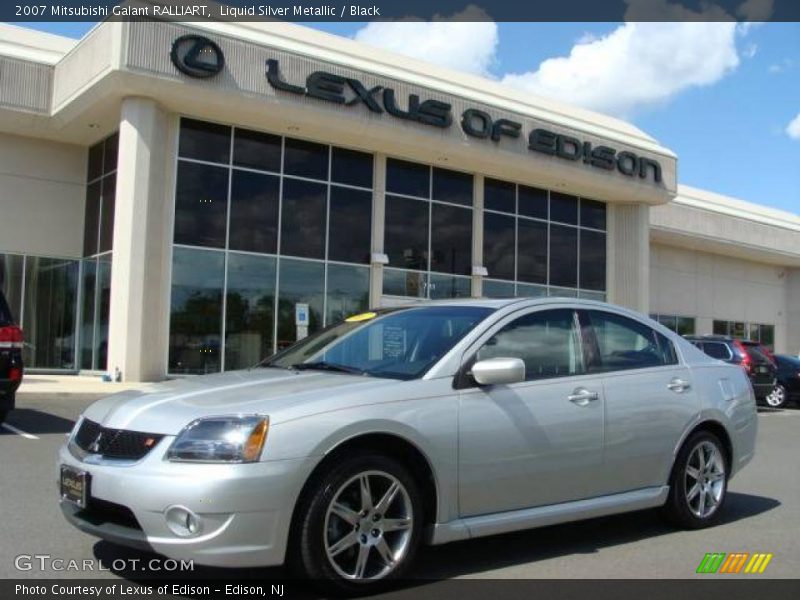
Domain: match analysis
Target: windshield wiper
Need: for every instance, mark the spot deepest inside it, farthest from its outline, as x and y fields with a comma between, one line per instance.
x=326, y=366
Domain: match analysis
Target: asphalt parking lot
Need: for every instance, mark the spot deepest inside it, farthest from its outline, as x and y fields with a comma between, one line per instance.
x=762, y=515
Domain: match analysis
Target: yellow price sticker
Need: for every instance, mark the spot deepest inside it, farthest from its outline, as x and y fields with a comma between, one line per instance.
x=362, y=317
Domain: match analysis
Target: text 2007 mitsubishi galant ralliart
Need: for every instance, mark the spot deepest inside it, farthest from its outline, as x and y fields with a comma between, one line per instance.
x=423, y=424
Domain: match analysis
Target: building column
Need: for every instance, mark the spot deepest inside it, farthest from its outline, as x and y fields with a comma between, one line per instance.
x=477, y=236
x=628, y=249
x=792, y=319
x=378, y=222
x=140, y=274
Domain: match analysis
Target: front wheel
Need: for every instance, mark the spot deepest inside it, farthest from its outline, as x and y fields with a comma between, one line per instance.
x=699, y=482
x=777, y=397
x=360, y=525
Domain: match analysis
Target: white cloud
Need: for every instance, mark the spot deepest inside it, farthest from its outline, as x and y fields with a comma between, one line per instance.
x=639, y=65
x=784, y=65
x=636, y=66
x=456, y=41
x=643, y=63
x=793, y=128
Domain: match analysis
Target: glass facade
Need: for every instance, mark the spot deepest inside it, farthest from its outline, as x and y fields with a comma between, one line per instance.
x=678, y=324
x=539, y=242
x=428, y=231
x=42, y=293
x=263, y=223
x=756, y=332
x=98, y=242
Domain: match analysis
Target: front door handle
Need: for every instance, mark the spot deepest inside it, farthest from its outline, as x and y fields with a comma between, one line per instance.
x=582, y=397
x=678, y=385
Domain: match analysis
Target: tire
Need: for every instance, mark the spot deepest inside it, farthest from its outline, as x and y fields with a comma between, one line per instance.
x=343, y=549
x=697, y=494
x=3, y=415
x=777, y=398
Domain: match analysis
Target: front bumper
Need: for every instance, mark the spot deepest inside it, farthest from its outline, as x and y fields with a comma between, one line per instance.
x=244, y=509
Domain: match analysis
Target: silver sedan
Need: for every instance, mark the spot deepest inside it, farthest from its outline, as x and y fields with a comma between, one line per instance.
x=422, y=424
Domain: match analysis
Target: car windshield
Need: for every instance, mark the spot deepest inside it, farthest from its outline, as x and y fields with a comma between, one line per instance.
x=396, y=343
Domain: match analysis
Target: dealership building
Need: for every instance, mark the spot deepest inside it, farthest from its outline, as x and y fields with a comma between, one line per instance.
x=180, y=198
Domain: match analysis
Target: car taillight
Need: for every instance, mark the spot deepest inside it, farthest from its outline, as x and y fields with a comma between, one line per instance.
x=747, y=362
x=15, y=374
x=11, y=337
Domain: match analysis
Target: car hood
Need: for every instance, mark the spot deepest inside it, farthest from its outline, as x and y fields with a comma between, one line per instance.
x=168, y=407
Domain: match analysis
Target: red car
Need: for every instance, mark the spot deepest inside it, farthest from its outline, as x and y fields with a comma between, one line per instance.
x=10, y=359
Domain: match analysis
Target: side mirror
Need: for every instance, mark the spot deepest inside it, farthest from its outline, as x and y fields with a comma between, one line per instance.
x=498, y=371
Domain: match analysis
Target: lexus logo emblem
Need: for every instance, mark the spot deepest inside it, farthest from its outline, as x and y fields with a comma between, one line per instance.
x=197, y=56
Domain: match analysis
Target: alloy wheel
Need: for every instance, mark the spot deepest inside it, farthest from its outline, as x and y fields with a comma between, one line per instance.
x=705, y=479
x=777, y=397
x=368, y=526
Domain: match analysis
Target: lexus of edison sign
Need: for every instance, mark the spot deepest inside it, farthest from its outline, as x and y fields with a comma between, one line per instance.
x=189, y=56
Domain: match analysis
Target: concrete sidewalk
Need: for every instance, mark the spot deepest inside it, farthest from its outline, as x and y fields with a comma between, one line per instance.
x=74, y=384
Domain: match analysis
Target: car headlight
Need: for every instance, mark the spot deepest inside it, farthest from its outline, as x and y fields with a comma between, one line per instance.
x=232, y=439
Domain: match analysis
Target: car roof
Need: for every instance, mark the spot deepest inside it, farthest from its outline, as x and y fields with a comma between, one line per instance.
x=498, y=303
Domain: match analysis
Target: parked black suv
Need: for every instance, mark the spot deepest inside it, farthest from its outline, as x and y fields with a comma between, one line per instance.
x=753, y=357
x=10, y=359
x=788, y=386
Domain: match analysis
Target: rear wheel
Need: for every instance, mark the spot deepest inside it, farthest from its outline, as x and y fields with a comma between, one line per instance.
x=777, y=398
x=3, y=415
x=699, y=482
x=360, y=525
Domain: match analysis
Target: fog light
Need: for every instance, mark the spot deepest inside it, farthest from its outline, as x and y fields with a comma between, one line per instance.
x=182, y=522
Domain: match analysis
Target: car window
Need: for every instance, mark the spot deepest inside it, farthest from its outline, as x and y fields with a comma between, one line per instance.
x=5, y=312
x=546, y=341
x=717, y=350
x=627, y=344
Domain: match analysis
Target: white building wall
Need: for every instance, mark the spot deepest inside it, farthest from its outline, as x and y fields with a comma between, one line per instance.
x=42, y=189
x=707, y=286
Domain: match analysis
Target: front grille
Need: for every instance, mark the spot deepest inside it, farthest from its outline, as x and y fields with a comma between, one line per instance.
x=99, y=512
x=114, y=443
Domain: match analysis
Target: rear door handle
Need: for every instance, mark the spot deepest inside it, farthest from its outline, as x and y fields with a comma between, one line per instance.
x=582, y=397
x=679, y=385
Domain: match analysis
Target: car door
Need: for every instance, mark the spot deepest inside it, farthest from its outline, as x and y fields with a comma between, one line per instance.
x=649, y=399
x=536, y=442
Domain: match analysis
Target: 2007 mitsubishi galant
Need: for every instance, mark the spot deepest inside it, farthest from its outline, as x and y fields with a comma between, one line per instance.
x=422, y=424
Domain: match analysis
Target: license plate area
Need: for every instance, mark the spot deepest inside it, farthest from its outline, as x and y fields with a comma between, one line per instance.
x=74, y=485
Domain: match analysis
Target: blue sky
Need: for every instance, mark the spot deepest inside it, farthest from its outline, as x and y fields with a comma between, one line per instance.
x=721, y=96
